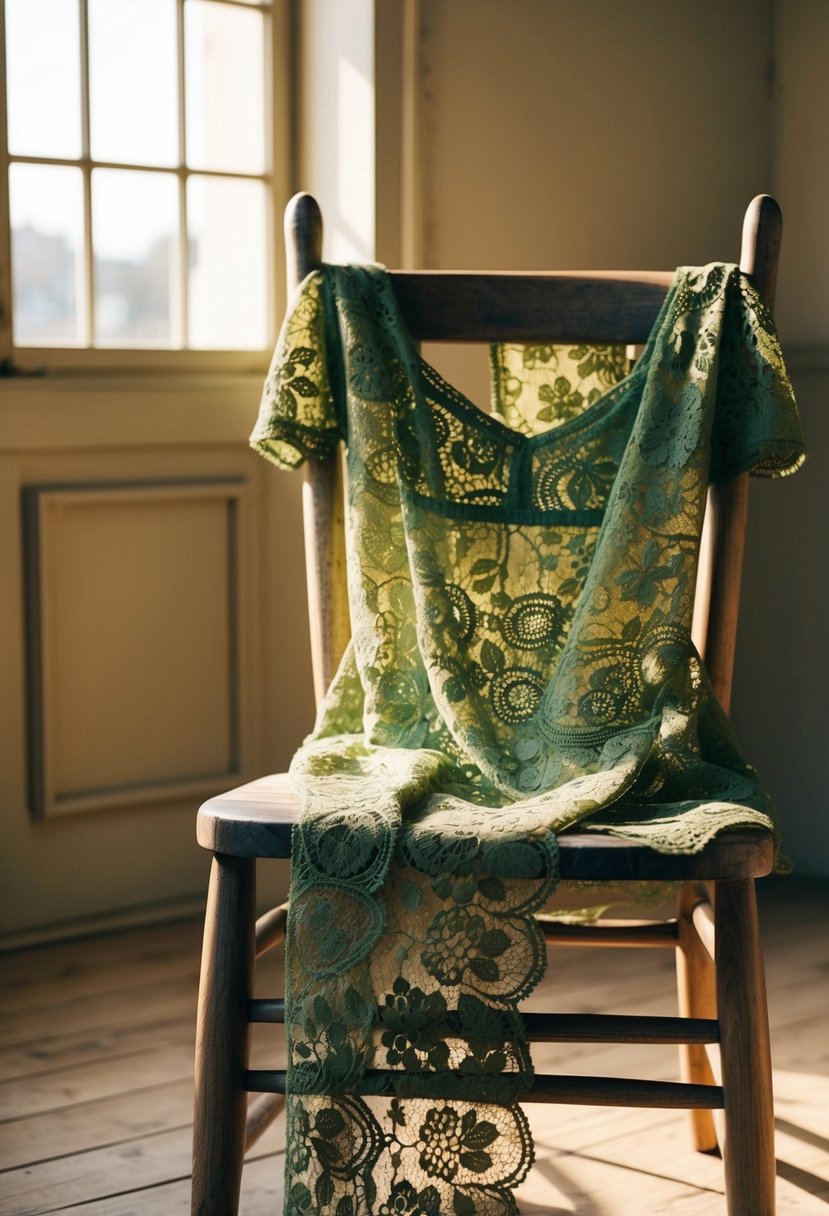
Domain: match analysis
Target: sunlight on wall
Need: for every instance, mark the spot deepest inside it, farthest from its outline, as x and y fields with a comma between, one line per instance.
x=337, y=149
x=353, y=225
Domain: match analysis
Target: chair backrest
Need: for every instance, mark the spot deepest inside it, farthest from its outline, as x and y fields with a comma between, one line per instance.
x=579, y=306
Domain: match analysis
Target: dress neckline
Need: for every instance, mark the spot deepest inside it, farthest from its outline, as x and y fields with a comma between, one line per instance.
x=468, y=411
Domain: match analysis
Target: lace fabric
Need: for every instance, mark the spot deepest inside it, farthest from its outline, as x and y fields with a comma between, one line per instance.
x=521, y=588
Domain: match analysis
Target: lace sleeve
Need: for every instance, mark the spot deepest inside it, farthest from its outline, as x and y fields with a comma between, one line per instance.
x=756, y=424
x=301, y=412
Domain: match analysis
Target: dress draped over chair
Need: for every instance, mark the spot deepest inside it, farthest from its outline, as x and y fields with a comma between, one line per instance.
x=523, y=669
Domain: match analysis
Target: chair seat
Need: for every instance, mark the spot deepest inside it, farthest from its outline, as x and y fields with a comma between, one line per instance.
x=256, y=819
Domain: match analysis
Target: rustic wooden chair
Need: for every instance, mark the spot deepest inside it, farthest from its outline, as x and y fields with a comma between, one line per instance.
x=721, y=991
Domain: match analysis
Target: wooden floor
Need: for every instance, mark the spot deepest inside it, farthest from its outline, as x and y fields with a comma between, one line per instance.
x=96, y=1047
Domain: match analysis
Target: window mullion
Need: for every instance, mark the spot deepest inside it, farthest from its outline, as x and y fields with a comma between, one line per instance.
x=88, y=293
x=281, y=86
x=184, y=240
x=5, y=214
x=135, y=166
x=269, y=78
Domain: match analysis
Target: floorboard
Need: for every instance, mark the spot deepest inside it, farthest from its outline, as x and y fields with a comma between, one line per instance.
x=96, y=1050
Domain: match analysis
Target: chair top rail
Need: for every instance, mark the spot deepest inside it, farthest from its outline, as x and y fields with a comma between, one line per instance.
x=574, y=306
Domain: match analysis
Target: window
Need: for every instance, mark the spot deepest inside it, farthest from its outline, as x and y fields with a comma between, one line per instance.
x=139, y=176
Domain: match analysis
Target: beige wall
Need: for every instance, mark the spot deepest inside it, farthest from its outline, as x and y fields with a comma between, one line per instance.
x=336, y=148
x=800, y=164
x=567, y=135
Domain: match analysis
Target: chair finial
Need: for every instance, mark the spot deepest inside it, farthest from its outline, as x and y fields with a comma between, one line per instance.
x=303, y=237
x=762, y=231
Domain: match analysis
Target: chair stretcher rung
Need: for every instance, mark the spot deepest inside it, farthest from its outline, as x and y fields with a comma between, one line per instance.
x=609, y=933
x=261, y=1114
x=617, y=1028
x=267, y=1011
x=580, y=1091
x=270, y=929
x=572, y=1027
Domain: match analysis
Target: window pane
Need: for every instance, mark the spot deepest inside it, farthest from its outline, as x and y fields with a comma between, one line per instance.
x=135, y=243
x=132, y=81
x=43, y=77
x=224, y=76
x=226, y=218
x=47, y=263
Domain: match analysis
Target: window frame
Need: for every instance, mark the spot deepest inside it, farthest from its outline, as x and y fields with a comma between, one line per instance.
x=279, y=27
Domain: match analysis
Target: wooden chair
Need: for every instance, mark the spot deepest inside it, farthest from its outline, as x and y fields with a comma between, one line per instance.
x=721, y=990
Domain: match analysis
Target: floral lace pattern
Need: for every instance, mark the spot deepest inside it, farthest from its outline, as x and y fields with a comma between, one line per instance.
x=542, y=386
x=521, y=588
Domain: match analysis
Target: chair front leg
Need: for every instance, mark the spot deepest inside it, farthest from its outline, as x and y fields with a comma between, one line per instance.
x=748, y=1151
x=696, y=998
x=222, y=1034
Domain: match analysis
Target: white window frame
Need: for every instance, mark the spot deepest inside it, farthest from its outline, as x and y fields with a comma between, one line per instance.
x=15, y=359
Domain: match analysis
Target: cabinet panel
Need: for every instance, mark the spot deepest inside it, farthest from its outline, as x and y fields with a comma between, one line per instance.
x=133, y=641
x=171, y=614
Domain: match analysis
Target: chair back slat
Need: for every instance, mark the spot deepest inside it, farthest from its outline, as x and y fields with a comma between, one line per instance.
x=576, y=306
x=457, y=306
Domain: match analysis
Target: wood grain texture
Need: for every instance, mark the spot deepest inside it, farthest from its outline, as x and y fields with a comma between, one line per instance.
x=262, y=1111
x=598, y=1161
x=92, y=1082
x=262, y=1194
x=587, y=306
x=631, y=933
x=323, y=508
x=728, y=509
x=225, y=987
x=270, y=929
x=256, y=819
x=572, y=1027
x=122, y=1116
x=748, y=1151
x=323, y=514
x=702, y=918
x=696, y=998
x=581, y=1091
x=302, y=227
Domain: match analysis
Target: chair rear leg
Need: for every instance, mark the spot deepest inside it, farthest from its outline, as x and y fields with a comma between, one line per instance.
x=225, y=988
x=748, y=1151
x=697, y=998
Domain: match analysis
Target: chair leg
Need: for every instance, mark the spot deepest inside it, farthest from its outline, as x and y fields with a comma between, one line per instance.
x=697, y=998
x=748, y=1151
x=225, y=988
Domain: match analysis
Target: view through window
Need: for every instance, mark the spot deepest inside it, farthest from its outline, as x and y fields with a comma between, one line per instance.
x=139, y=173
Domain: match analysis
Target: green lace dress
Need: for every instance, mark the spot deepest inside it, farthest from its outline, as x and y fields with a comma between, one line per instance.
x=521, y=587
